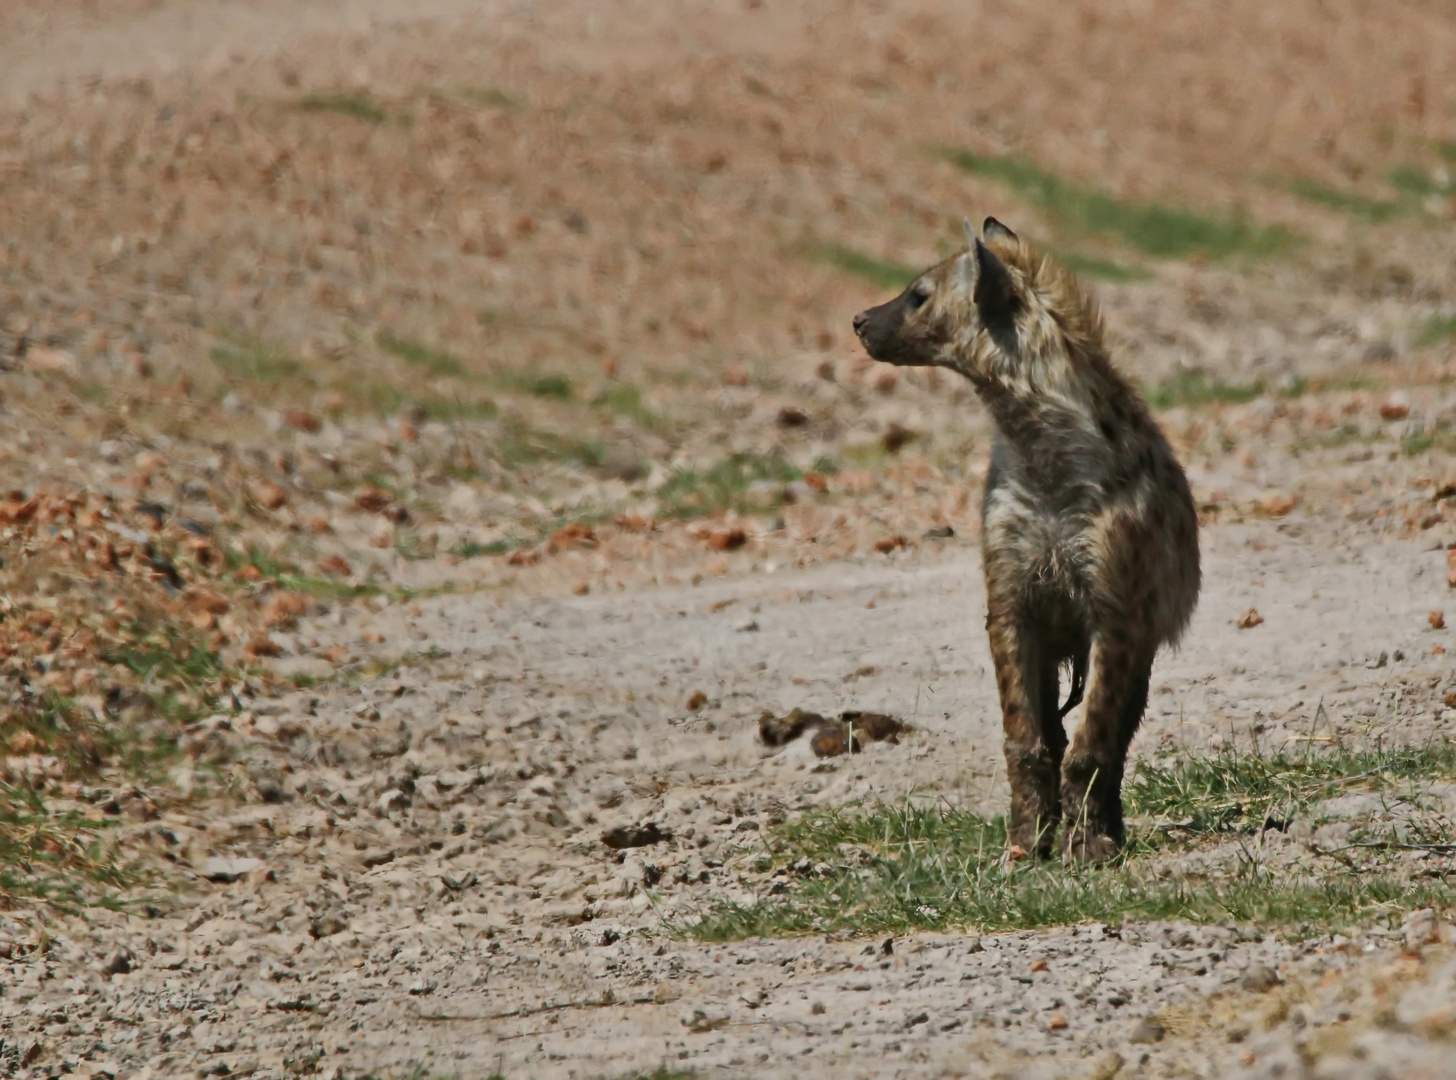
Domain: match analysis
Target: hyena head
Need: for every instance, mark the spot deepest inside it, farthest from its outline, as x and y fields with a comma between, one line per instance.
x=938, y=316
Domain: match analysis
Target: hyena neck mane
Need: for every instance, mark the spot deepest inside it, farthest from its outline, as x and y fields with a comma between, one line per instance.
x=1036, y=354
x=1022, y=330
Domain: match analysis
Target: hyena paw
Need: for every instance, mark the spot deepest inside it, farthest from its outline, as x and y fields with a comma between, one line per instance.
x=1031, y=839
x=1089, y=845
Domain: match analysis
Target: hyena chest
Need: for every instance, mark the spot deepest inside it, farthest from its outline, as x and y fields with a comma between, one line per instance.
x=1044, y=554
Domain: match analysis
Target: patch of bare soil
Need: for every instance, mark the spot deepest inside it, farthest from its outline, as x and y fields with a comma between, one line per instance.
x=436, y=439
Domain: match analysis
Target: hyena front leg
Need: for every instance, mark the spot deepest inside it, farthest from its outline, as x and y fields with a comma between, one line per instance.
x=1093, y=766
x=1026, y=678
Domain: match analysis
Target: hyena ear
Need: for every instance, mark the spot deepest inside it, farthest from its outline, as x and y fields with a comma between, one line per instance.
x=970, y=232
x=994, y=230
x=995, y=294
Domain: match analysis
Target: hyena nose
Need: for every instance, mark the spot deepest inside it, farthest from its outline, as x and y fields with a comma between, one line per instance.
x=860, y=320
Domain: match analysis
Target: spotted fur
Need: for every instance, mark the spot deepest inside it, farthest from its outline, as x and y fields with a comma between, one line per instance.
x=1090, y=537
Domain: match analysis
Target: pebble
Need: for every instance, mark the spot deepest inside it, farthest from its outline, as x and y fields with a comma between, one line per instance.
x=224, y=870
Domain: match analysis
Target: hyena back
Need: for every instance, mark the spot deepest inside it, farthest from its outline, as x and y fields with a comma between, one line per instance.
x=1090, y=536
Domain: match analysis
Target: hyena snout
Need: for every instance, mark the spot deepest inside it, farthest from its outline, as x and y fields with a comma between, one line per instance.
x=879, y=331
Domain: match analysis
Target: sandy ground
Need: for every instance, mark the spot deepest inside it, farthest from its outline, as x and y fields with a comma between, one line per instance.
x=431, y=887
x=404, y=866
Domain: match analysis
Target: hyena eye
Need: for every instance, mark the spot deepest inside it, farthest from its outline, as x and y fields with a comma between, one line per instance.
x=918, y=296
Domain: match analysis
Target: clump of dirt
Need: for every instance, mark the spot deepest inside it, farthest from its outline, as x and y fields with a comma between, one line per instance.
x=828, y=737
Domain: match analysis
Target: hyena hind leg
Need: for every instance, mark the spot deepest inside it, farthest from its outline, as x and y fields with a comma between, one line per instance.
x=1093, y=767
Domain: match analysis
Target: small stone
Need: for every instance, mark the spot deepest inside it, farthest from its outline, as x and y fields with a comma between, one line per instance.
x=422, y=987
x=54, y=361
x=635, y=835
x=747, y=626
x=267, y=494
x=1277, y=503
x=1395, y=407
x=1437, y=619
x=696, y=700
x=1420, y=928
x=333, y=564
x=260, y=645
x=449, y=779
x=225, y=870
x=1249, y=619
x=727, y=539
x=1260, y=979
x=302, y=421
x=701, y=1021
x=895, y=438
x=392, y=800
x=327, y=924
x=118, y=963
x=372, y=500
x=1146, y=1032
x=1039, y=965
x=1058, y=1022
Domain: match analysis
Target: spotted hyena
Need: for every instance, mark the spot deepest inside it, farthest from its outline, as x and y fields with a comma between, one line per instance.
x=1090, y=535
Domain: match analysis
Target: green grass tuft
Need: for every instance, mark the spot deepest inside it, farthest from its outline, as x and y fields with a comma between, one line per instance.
x=420, y=355
x=1370, y=209
x=888, y=275
x=1190, y=386
x=905, y=867
x=358, y=106
x=521, y=445
x=52, y=855
x=291, y=579
x=725, y=485
x=1435, y=330
x=550, y=386
x=1160, y=231
x=1090, y=266
x=627, y=401
x=1417, y=443
x=256, y=361
x=537, y=385
x=470, y=549
x=1416, y=181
